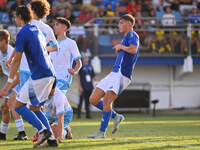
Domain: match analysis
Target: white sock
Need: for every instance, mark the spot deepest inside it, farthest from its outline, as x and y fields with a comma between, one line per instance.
x=19, y=124
x=64, y=133
x=4, y=127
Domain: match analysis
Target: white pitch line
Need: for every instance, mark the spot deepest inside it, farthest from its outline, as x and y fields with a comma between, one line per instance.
x=190, y=146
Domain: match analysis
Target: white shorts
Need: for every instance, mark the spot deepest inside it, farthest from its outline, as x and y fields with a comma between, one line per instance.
x=115, y=82
x=36, y=91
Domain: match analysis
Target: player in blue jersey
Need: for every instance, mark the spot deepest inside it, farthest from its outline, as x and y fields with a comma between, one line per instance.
x=114, y=83
x=31, y=41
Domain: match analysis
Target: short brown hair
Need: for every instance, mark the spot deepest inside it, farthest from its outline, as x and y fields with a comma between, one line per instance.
x=24, y=12
x=64, y=21
x=4, y=35
x=40, y=7
x=128, y=17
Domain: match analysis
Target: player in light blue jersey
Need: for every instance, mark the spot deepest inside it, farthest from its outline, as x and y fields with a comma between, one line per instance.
x=7, y=106
x=67, y=53
x=31, y=41
x=114, y=83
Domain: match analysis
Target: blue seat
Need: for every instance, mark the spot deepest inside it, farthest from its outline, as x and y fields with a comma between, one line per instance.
x=159, y=14
x=76, y=13
x=177, y=15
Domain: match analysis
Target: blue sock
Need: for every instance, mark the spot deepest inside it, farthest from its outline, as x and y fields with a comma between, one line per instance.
x=29, y=116
x=43, y=118
x=100, y=106
x=105, y=120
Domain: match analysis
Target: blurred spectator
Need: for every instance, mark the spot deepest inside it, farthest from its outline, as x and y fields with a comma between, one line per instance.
x=138, y=19
x=61, y=5
x=144, y=7
x=114, y=5
x=174, y=4
x=195, y=37
x=152, y=17
x=168, y=19
x=85, y=15
x=99, y=14
x=13, y=8
x=132, y=7
x=76, y=4
x=197, y=2
x=177, y=42
x=157, y=4
x=69, y=15
x=91, y=4
x=53, y=15
x=85, y=79
x=77, y=33
x=185, y=7
x=3, y=5
x=160, y=43
x=152, y=21
x=194, y=17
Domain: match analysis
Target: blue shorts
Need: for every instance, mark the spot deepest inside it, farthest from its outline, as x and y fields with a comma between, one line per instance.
x=62, y=85
x=67, y=118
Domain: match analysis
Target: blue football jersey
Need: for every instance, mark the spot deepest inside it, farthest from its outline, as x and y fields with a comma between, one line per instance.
x=125, y=62
x=32, y=42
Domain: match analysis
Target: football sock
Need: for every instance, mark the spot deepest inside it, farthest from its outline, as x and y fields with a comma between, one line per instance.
x=30, y=117
x=105, y=120
x=64, y=133
x=43, y=119
x=100, y=106
x=4, y=127
x=19, y=124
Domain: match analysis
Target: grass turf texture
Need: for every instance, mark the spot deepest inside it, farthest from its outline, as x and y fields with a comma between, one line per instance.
x=137, y=132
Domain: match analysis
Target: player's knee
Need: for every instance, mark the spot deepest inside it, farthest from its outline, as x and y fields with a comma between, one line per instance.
x=92, y=100
x=10, y=105
x=4, y=108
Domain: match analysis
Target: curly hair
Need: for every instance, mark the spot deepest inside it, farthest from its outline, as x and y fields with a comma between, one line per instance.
x=4, y=35
x=24, y=12
x=40, y=7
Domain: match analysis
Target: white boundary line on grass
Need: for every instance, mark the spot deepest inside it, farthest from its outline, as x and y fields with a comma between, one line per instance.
x=190, y=146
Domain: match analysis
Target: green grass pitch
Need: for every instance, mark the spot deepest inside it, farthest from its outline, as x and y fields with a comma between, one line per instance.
x=137, y=132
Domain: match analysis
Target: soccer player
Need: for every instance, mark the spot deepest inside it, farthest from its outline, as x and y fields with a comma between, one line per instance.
x=8, y=103
x=59, y=113
x=63, y=58
x=40, y=9
x=31, y=41
x=114, y=83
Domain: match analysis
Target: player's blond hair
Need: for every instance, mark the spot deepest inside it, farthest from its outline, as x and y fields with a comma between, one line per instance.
x=4, y=35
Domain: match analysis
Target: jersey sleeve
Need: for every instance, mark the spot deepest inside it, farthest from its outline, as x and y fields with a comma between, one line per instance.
x=20, y=43
x=134, y=39
x=51, y=39
x=74, y=50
